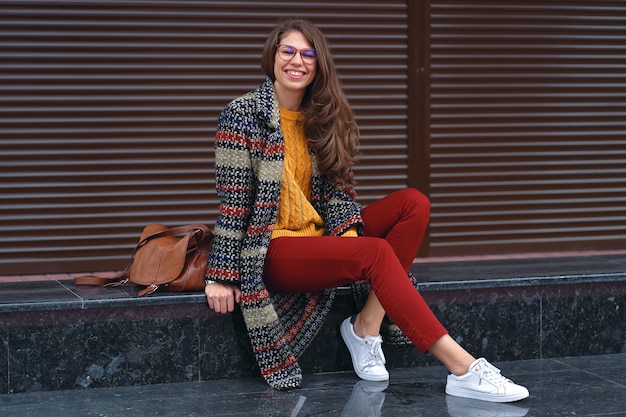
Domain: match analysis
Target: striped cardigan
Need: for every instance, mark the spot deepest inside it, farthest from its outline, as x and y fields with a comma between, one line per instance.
x=249, y=155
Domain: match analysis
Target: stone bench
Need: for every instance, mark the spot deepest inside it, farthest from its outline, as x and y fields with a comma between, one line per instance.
x=56, y=336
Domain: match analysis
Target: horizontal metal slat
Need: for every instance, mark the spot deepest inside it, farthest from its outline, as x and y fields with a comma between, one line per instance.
x=527, y=106
x=109, y=113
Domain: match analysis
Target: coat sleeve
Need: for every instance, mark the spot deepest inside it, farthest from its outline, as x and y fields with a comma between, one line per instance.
x=342, y=214
x=234, y=179
x=338, y=207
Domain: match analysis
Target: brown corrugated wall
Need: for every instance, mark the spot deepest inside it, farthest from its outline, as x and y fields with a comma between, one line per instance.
x=510, y=114
x=526, y=125
x=109, y=108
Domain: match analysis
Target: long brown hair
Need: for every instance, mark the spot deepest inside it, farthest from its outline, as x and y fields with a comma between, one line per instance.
x=329, y=123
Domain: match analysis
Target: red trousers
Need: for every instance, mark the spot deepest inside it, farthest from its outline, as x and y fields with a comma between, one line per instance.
x=394, y=229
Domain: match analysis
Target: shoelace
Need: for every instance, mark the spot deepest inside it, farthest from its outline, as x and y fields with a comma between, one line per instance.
x=490, y=373
x=377, y=357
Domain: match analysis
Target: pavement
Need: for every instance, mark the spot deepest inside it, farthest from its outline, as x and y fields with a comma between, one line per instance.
x=573, y=386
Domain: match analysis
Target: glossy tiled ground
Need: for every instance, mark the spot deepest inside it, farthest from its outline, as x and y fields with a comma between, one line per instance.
x=577, y=386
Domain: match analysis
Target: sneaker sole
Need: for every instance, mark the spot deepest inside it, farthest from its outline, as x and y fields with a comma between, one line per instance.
x=485, y=397
x=365, y=377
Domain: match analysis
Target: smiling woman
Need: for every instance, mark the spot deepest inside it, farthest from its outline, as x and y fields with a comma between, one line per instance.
x=290, y=231
x=312, y=87
x=293, y=73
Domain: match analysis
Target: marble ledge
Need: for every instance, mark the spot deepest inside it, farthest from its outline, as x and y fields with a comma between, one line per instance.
x=64, y=295
x=523, y=282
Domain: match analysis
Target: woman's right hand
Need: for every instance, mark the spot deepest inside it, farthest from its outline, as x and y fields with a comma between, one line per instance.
x=221, y=297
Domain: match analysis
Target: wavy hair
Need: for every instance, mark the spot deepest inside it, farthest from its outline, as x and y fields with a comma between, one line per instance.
x=329, y=123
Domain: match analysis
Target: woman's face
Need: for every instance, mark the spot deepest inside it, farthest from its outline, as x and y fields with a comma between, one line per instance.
x=295, y=65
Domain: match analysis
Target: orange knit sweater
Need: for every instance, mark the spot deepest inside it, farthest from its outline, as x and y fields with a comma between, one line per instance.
x=296, y=215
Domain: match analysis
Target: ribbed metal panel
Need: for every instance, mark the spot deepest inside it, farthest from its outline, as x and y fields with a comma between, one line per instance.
x=108, y=114
x=527, y=126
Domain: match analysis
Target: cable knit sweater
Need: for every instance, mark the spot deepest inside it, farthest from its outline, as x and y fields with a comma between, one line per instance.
x=296, y=215
x=249, y=157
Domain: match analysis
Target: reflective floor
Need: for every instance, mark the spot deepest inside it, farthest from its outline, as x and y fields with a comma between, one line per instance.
x=577, y=386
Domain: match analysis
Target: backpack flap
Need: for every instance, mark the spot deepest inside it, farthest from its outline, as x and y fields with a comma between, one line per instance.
x=160, y=260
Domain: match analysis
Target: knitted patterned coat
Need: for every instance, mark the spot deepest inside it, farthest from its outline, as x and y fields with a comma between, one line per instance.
x=249, y=155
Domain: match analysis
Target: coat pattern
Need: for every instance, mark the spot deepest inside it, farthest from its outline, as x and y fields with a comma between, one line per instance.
x=249, y=154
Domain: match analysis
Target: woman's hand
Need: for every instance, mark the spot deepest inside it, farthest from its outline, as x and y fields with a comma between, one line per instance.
x=222, y=297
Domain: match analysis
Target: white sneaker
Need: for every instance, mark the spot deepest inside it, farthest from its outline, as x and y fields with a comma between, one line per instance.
x=484, y=382
x=368, y=359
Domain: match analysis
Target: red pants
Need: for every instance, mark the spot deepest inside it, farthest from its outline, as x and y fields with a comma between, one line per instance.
x=394, y=228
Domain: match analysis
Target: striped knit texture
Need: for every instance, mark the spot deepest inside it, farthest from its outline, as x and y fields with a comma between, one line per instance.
x=249, y=158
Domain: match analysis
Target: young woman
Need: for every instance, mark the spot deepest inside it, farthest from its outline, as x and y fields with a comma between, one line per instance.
x=290, y=231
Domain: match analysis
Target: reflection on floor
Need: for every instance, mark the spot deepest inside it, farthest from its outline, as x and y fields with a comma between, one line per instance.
x=576, y=386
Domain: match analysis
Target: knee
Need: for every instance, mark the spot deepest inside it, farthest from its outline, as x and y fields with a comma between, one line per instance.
x=417, y=200
x=381, y=262
x=415, y=195
x=379, y=251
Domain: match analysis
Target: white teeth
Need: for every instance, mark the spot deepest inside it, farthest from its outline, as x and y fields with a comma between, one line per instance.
x=295, y=73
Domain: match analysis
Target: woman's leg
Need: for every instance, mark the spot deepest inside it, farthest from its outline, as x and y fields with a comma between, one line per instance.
x=401, y=218
x=295, y=265
x=304, y=264
x=452, y=355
